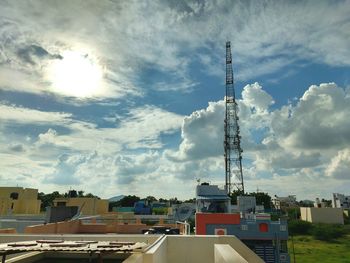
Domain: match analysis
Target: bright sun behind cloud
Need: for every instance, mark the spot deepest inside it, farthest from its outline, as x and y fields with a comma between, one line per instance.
x=76, y=75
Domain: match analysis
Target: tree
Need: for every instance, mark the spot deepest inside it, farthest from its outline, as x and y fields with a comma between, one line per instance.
x=151, y=199
x=128, y=201
x=261, y=198
x=233, y=195
x=174, y=201
x=192, y=200
x=162, y=200
x=47, y=199
x=91, y=195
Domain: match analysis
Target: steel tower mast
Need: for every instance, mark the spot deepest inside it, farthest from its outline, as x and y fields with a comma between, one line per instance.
x=232, y=142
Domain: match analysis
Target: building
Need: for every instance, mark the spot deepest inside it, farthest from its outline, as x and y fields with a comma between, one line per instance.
x=280, y=202
x=119, y=248
x=19, y=200
x=340, y=201
x=327, y=215
x=265, y=237
x=87, y=205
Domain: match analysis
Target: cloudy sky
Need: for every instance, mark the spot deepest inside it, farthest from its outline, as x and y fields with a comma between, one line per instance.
x=126, y=97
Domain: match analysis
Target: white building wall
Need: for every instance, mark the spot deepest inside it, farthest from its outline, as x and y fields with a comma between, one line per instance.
x=340, y=201
x=322, y=215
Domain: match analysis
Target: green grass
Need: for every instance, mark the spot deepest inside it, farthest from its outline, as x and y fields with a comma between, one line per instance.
x=309, y=250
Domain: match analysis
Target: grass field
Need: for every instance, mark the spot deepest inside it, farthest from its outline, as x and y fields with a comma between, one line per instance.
x=309, y=250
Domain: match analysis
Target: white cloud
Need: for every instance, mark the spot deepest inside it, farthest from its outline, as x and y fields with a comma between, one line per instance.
x=202, y=133
x=318, y=121
x=74, y=153
x=131, y=37
x=282, y=147
x=144, y=125
x=12, y=113
x=256, y=98
x=339, y=165
x=129, y=168
x=309, y=139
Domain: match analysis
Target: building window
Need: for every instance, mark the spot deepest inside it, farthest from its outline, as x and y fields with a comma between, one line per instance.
x=14, y=196
x=283, y=228
x=61, y=203
x=244, y=227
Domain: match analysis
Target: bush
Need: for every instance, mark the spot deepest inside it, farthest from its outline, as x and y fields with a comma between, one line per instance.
x=298, y=227
x=327, y=232
x=160, y=211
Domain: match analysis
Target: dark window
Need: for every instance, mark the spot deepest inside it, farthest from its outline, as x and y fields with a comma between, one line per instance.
x=14, y=196
x=61, y=203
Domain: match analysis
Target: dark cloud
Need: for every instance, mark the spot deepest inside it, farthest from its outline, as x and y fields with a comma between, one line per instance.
x=16, y=148
x=30, y=53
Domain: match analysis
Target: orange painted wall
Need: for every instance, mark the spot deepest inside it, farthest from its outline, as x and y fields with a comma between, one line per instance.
x=41, y=229
x=202, y=219
x=92, y=228
x=8, y=231
x=66, y=227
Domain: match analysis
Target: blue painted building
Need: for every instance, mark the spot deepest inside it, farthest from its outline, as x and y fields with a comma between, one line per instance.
x=214, y=216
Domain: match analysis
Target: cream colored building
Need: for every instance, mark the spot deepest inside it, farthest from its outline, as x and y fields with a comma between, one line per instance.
x=19, y=200
x=160, y=249
x=322, y=215
x=87, y=205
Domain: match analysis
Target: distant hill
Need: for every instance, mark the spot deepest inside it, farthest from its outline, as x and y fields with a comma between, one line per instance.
x=116, y=198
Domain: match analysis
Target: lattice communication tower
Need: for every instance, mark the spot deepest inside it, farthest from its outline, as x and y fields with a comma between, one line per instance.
x=232, y=142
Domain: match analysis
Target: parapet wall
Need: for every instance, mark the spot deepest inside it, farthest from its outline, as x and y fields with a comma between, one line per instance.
x=78, y=227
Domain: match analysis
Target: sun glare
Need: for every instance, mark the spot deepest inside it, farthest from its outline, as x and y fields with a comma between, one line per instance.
x=75, y=75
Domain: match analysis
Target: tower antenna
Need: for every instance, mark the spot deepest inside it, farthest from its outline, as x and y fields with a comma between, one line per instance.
x=232, y=141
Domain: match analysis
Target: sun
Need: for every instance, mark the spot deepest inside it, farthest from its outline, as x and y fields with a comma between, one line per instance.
x=75, y=75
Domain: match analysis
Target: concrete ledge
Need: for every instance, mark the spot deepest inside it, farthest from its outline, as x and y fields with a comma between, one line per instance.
x=135, y=258
x=27, y=258
x=224, y=253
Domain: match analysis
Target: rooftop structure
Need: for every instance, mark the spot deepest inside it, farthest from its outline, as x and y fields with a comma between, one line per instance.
x=281, y=202
x=87, y=205
x=341, y=201
x=327, y=215
x=320, y=203
x=19, y=200
x=211, y=199
x=129, y=248
x=265, y=237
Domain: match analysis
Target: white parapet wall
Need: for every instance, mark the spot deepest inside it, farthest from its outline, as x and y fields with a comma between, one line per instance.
x=166, y=249
x=224, y=253
x=192, y=249
x=322, y=215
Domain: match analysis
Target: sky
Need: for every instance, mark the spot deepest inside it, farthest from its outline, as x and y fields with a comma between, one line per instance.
x=126, y=97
